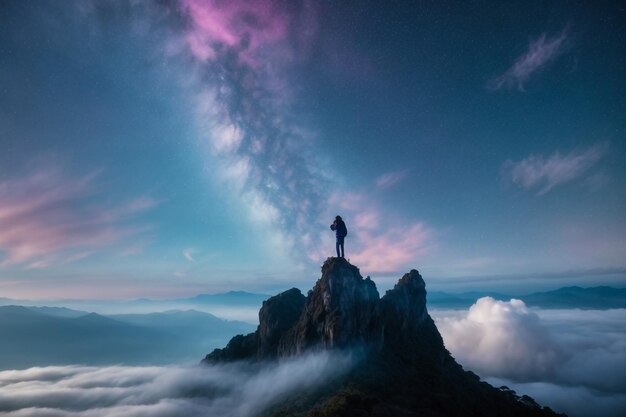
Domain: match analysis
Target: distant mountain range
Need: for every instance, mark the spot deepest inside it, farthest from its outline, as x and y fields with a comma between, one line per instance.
x=242, y=305
x=601, y=298
x=232, y=305
x=230, y=297
x=32, y=336
x=239, y=297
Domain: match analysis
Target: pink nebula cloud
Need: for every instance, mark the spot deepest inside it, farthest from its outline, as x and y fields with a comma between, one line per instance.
x=242, y=26
x=265, y=151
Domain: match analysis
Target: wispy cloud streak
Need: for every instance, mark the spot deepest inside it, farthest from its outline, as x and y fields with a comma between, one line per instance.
x=390, y=179
x=189, y=254
x=540, y=53
x=537, y=171
x=48, y=218
x=393, y=248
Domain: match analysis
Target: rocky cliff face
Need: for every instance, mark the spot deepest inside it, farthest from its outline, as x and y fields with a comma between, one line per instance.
x=340, y=311
x=277, y=317
x=406, y=369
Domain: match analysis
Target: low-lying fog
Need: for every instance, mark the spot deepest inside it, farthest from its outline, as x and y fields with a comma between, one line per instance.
x=235, y=390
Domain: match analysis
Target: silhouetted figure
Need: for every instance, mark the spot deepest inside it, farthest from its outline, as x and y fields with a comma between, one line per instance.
x=340, y=232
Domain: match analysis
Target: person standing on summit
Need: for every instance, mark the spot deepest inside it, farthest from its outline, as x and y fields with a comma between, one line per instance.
x=341, y=231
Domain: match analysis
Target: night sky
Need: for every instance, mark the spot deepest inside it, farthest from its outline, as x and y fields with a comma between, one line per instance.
x=166, y=148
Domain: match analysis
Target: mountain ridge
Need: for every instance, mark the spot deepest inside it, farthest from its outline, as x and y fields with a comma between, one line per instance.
x=39, y=336
x=596, y=297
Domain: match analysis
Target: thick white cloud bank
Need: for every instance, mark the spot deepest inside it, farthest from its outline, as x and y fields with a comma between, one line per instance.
x=235, y=390
x=502, y=339
x=571, y=360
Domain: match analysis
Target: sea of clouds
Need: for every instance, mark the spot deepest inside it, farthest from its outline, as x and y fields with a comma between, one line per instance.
x=571, y=360
x=235, y=390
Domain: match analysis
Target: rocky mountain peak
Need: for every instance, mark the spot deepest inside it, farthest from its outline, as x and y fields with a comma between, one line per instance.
x=276, y=317
x=342, y=310
x=405, y=368
x=407, y=300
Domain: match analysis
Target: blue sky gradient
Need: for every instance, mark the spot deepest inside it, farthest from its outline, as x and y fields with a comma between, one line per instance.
x=189, y=146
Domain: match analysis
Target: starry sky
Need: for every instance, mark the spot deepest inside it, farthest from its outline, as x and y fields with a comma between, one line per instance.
x=167, y=148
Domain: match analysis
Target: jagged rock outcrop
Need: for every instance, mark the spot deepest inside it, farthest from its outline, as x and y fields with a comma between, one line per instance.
x=340, y=311
x=405, y=369
x=406, y=302
x=276, y=318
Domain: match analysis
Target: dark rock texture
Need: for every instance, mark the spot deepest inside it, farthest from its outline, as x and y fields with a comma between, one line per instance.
x=405, y=370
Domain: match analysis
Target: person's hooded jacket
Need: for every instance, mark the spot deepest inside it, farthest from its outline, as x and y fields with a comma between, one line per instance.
x=340, y=228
